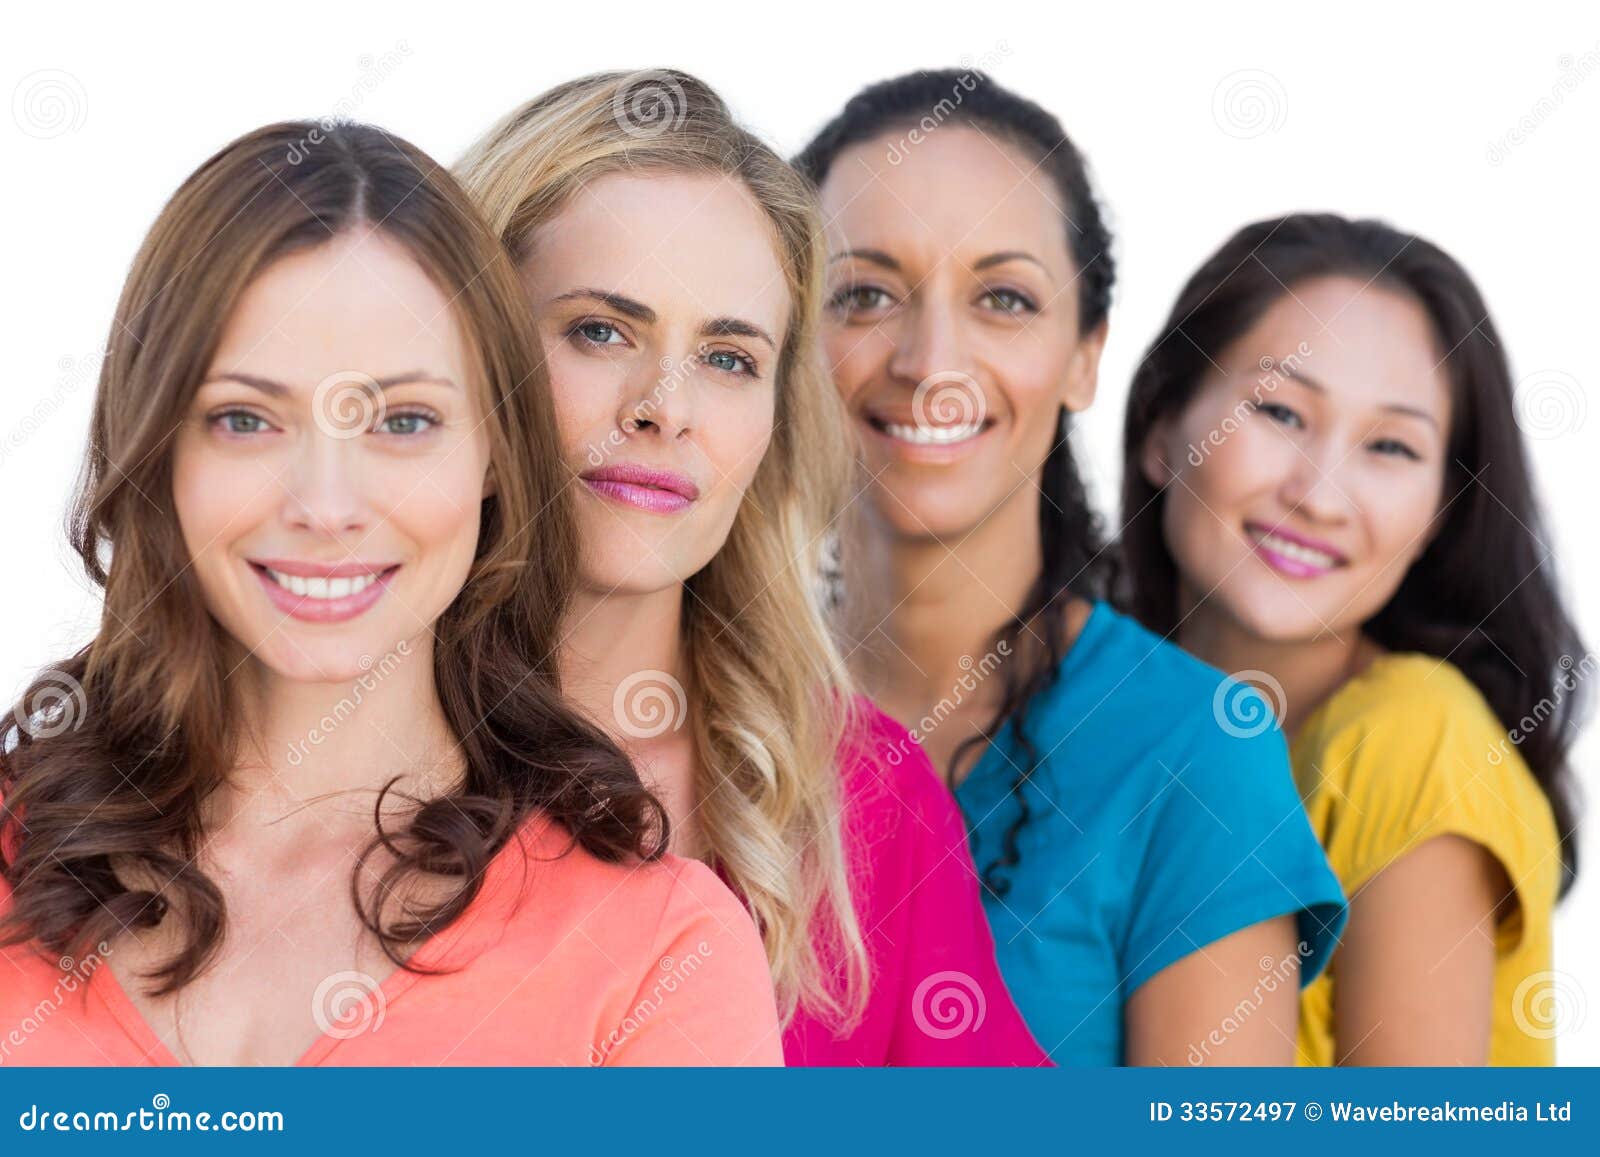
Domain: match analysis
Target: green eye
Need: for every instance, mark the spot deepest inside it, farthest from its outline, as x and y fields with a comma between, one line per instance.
x=408, y=424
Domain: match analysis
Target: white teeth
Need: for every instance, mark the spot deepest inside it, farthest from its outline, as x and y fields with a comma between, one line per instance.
x=933, y=435
x=1295, y=551
x=321, y=588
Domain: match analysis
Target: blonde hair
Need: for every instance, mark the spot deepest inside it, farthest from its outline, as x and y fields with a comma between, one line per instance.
x=775, y=702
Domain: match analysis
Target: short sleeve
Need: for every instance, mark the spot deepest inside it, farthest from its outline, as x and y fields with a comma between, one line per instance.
x=707, y=997
x=1229, y=846
x=1428, y=758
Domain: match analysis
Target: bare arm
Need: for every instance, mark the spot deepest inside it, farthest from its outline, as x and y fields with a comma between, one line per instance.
x=1233, y=1002
x=1415, y=977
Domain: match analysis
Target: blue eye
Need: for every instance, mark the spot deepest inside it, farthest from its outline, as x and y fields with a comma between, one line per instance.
x=732, y=363
x=408, y=423
x=238, y=422
x=598, y=332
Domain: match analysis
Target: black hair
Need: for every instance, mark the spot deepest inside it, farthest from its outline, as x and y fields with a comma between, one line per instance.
x=1076, y=559
x=1483, y=593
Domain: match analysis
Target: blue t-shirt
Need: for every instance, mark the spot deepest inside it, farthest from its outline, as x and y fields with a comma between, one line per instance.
x=1163, y=816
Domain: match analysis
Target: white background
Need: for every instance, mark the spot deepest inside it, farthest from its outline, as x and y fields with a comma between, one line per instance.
x=1195, y=122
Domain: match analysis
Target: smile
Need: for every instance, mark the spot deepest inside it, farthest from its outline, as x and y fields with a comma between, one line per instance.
x=319, y=593
x=1292, y=555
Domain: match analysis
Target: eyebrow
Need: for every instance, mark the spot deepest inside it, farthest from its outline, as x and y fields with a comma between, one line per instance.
x=642, y=313
x=1311, y=383
x=879, y=257
x=278, y=389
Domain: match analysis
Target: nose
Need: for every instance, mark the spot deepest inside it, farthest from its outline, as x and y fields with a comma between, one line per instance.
x=927, y=343
x=1314, y=486
x=659, y=398
x=322, y=485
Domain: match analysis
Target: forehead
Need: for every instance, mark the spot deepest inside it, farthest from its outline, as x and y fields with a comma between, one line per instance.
x=957, y=192
x=690, y=242
x=1370, y=344
x=358, y=302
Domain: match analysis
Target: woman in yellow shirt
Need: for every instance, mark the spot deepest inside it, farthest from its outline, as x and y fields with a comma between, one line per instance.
x=1326, y=493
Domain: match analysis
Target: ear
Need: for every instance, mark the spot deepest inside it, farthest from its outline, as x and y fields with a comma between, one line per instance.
x=1153, y=462
x=1083, y=372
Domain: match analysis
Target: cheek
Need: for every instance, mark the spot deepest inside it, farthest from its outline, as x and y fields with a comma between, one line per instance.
x=855, y=353
x=585, y=393
x=740, y=436
x=1399, y=512
x=218, y=497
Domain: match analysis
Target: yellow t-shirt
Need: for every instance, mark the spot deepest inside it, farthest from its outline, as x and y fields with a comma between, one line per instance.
x=1408, y=750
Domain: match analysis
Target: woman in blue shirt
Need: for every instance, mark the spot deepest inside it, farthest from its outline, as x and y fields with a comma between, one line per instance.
x=1156, y=893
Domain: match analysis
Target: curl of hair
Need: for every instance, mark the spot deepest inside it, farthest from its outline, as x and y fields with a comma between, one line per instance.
x=1483, y=594
x=101, y=825
x=1076, y=561
x=773, y=702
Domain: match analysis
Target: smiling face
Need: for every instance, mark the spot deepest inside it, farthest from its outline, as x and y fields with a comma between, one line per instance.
x=329, y=472
x=952, y=324
x=662, y=308
x=1297, y=498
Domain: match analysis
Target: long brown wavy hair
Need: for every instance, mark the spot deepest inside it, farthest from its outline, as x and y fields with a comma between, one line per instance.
x=111, y=754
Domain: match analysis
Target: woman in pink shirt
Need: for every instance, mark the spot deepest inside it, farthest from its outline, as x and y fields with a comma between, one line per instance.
x=675, y=264
x=310, y=795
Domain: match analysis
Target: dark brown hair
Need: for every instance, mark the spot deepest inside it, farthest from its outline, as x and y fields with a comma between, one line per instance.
x=1483, y=594
x=106, y=783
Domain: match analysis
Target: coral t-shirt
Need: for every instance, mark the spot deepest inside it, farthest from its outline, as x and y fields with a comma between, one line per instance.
x=561, y=959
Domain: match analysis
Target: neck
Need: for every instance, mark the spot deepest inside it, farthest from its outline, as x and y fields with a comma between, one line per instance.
x=1308, y=670
x=941, y=601
x=623, y=662
x=315, y=755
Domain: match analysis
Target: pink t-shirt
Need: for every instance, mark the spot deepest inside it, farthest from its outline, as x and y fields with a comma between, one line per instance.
x=563, y=960
x=937, y=996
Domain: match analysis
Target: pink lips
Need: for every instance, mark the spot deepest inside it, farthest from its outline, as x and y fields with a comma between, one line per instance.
x=1284, y=564
x=312, y=610
x=644, y=488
